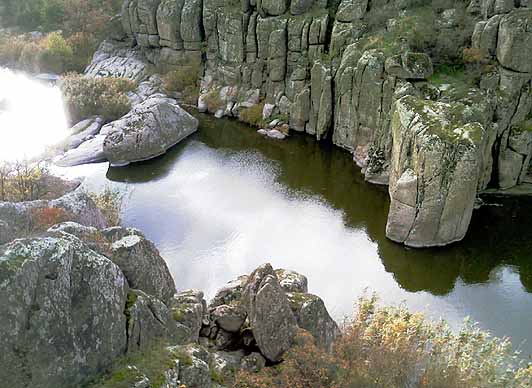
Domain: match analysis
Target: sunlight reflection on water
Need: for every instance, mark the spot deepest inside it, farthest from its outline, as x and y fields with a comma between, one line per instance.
x=32, y=116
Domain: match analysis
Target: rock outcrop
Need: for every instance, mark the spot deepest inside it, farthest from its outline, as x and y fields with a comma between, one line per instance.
x=335, y=71
x=434, y=175
x=147, y=131
x=18, y=219
x=272, y=322
x=78, y=299
x=62, y=312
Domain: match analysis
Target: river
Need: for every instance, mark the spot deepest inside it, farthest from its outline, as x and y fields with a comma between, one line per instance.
x=226, y=200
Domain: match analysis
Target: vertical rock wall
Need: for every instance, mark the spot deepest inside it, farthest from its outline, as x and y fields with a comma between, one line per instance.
x=313, y=64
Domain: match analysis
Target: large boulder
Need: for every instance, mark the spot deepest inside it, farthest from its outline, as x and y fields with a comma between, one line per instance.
x=150, y=322
x=312, y=316
x=515, y=41
x=61, y=312
x=188, y=308
x=143, y=266
x=272, y=321
x=436, y=162
x=147, y=131
x=116, y=59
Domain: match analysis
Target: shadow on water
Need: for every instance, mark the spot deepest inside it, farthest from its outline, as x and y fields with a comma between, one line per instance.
x=499, y=235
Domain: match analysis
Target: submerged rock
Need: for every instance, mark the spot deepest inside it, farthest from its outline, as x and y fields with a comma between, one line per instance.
x=147, y=131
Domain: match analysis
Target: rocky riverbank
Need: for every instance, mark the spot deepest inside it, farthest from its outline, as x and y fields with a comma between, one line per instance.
x=338, y=71
x=78, y=299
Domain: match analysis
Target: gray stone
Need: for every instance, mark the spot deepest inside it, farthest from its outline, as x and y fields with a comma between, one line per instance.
x=143, y=266
x=229, y=317
x=147, y=131
x=409, y=66
x=292, y=281
x=62, y=317
x=515, y=41
x=312, y=316
x=432, y=201
x=272, y=321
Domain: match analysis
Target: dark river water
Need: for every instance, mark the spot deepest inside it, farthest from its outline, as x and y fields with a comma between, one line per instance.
x=227, y=200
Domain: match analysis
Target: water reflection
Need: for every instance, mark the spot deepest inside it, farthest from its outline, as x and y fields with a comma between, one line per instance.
x=31, y=116
x=226, y=200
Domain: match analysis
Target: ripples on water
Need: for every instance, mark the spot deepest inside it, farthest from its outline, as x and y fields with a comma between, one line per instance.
x=31, y=116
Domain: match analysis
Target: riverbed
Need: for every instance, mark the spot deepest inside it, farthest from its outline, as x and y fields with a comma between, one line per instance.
x=226, y=200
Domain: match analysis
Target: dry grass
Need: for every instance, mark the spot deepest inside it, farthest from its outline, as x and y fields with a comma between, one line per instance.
x=389, y=347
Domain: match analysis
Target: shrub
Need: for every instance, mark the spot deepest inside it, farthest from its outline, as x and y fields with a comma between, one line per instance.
x=46, y=217
x=109, y=202
x=184, y=79
x=85, y=96
x=10, y=50
x=390, y=347
x=83, y=46
x=252, y=115
x=213, y=100
x=152, y=363
x=56, y=54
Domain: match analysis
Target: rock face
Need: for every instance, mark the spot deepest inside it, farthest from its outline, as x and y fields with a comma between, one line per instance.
x=319, y=66
x=62, y=312
x=434, y=174
x=150, y=129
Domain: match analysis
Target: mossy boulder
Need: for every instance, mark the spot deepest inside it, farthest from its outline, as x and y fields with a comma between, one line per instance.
x=62, y=314
x=435, y=171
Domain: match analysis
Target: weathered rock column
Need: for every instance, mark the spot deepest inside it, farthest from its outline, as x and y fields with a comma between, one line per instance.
x=435, y=170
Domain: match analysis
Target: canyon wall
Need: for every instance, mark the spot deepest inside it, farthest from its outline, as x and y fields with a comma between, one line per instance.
x=341, y=71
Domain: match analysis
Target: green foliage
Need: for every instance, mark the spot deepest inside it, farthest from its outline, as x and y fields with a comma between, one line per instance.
x=213, y=100
x=390, y=347
x=67, y=15
x=87, y=96
x=53, y=53
x=184, y=79
x=151, y=363
x=252, y=115
x=459, y=80
x=25, y=181
x=418, y=28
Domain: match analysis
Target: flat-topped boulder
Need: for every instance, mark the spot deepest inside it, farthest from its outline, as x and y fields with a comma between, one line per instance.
x=435, y=171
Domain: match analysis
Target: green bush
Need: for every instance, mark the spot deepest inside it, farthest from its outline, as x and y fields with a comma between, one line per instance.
x=185, y=80
x=56, y=54
x=86, y=97
x=213, y=100
x=252, y=115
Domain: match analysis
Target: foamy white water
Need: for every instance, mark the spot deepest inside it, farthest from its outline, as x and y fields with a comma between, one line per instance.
x=32, y=116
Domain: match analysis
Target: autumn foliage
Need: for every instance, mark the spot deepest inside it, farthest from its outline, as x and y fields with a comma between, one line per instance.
x=390, y=347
